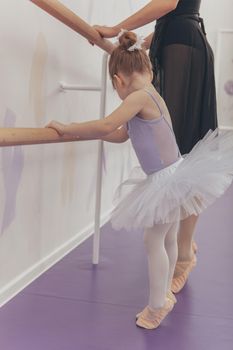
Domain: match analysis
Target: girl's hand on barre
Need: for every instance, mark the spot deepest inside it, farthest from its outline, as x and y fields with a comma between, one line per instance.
x=107, y=32
x=58, y=127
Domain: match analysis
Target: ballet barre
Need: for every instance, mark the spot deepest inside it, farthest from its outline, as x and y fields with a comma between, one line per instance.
x=34, y=136
x=31, y=136
x=103, y=90
x=69, y=18
x=73, y=21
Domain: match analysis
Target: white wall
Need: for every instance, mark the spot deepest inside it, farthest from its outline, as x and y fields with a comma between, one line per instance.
x=47, y=191
x=217, y=17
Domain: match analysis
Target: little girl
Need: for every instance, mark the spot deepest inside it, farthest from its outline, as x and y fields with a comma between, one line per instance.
x=173, y=187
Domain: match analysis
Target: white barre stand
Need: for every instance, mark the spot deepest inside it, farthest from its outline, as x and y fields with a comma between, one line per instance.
x=102, y=88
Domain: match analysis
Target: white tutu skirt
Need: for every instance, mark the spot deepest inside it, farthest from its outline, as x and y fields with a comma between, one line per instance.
x=184, y=188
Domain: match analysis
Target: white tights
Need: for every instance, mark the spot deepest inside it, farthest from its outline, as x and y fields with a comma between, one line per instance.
x=161, y=246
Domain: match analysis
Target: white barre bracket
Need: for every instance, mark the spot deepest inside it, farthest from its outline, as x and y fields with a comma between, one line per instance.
x=69, y=87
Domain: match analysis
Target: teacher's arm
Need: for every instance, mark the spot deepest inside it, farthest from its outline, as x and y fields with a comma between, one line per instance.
x=149, y=13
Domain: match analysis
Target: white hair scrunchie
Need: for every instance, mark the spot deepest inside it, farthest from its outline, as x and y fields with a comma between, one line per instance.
x=139, y=42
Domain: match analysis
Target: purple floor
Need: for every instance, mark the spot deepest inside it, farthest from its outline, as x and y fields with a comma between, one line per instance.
x=75, y=306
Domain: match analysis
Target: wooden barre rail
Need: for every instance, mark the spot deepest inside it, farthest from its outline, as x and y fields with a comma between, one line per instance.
x=69, y=18
x=31, y=136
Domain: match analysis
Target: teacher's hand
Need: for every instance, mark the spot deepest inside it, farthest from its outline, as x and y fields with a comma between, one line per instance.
x=107, y=32
x=59, y=127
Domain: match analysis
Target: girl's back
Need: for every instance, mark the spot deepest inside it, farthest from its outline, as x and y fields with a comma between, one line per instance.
x=153, y=139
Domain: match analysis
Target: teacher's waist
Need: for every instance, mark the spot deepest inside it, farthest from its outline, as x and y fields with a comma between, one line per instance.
x=191, y=14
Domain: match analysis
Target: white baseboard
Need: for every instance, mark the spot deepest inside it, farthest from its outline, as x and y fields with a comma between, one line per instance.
x=24, y=279
x=222, y=127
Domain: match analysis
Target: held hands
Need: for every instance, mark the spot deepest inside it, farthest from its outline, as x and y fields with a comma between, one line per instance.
x=58, y=127
x=106, y=32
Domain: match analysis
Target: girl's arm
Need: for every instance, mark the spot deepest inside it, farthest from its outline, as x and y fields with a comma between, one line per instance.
x=101, y=129
x=118, y=136
x=152, y=11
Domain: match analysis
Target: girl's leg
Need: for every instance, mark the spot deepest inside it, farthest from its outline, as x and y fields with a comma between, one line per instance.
x=172, y=251
x=186, y=254
x=185, y=238
x=158, y=265
x=159, y=269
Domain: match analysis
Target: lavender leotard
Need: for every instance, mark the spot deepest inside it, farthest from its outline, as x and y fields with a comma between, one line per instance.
x=153, y=141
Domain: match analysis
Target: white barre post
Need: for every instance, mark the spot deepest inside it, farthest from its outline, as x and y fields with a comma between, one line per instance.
x=102, y=89
x=96, y=240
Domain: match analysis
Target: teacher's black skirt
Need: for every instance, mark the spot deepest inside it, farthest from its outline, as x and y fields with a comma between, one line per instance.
x=183, y=65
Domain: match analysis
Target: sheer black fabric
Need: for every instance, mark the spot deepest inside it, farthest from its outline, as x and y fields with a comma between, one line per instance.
x=183, y=66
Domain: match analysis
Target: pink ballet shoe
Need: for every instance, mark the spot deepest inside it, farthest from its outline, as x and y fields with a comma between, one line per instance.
x=170, y=300
x=182, y=269
x=151, y=319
